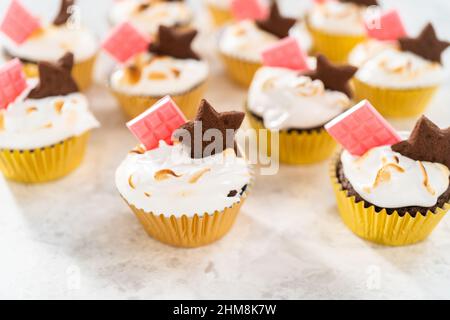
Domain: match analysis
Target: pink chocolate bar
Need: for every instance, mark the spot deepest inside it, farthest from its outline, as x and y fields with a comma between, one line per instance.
x=388, y=26
x=249, y=9
x=124, y=42
x=18, y=23
x=362, y=128
x=285, y=54
x=12, y=82
x=157, y=123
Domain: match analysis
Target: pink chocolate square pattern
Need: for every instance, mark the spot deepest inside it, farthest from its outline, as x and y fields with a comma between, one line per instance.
x=285, y=54
x=124, y=42
x=248, y=9
x=362, y=128
x=18, y=23
x=388, y=26
x=12, y=82
x=157, y=123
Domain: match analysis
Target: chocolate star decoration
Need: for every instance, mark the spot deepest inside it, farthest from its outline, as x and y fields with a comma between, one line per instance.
x=426, y=45
x=175, y=43
x=211, y=119
x=275, y=23
x=55, y=79
x=366, y=3
x=333, y=77
x=427, y=143
x=63, y=14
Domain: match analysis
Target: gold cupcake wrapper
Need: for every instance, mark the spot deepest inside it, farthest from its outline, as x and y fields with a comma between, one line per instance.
x=219, y=15
x=44, y=164
x=188, y=232
x=135, y=105
x=381, y=227
x=241, y=71
x=335, y=47
x=395, y=103
x=82, y=72
x=299, y=147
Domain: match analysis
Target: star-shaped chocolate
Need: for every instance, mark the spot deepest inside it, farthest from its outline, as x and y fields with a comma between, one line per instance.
x=366, y=3
x=55, y=79
x=334, y=77
x=275, y=23
x=225, y=123
x=426, y=45
x=427, y=143
x=64, y=12
x=174, y=42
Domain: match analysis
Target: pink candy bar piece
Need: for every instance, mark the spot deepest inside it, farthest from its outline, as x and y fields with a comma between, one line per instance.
x=388, y=26
x=157, y=123
x=286, y=54
x=362, y=128
x=249, y=9
x=12, y=82
x=18, y=23
x=125, y=41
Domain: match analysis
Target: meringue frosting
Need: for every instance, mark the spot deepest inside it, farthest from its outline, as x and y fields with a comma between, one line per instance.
x=389, y=180
x=246, y=41
x=52, y=42
x=159, y=75
x=287, y=100
x=35, y=123
x=148, y=15
x=167, y=181
x=402, y=70
x=368, y=50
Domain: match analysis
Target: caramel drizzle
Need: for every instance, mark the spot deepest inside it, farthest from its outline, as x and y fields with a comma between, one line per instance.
x=165, y=174
x=426, y=179
x=196, y=176
x=138, y=150
x=131, y=183
x=58, y=106
x=31, y=110
x=2, y=121
x=384, y=175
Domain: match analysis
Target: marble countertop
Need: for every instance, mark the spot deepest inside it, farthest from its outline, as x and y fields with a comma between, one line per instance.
x=75, y=238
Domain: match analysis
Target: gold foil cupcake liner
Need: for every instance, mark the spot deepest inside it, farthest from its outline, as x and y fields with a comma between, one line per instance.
x=135, y=105
x=299, y=148
x=395, y=103
x=240, y=70
x=44, y=164
x=381, y=227
x=219, y=15
x=335, y=47
x=82, y=72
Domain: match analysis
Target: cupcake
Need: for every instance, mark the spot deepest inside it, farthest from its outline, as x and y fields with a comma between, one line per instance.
x=394, y=192
x=44, y=132
x=186, y=193
x=53, y=40
x=148, y=15
x=338, y=26
x=170, y=67
x=241, y=43
x=220, y=11
x=402, y=82
x=298, y=105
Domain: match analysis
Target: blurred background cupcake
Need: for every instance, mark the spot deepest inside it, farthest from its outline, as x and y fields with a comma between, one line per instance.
x=241, y=42
x=45, y=130
x=338, y=26
x=148, y=15
x=50, y=41
x=168, y=67
x=183, y=194
x=401, y=81
x=389, y=190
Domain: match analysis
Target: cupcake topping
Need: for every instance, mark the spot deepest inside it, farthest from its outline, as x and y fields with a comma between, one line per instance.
x=426, y=45
x=333, y=77
x=174, y=42
x=64, y=12
x=193, y=133
x=14, y=83
x=18, y=23
x=365, y=3
x=427, y=142
x=276, y=24
x=55, y=79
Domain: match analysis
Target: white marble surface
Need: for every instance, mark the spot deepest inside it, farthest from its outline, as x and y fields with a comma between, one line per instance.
x=76, y=239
